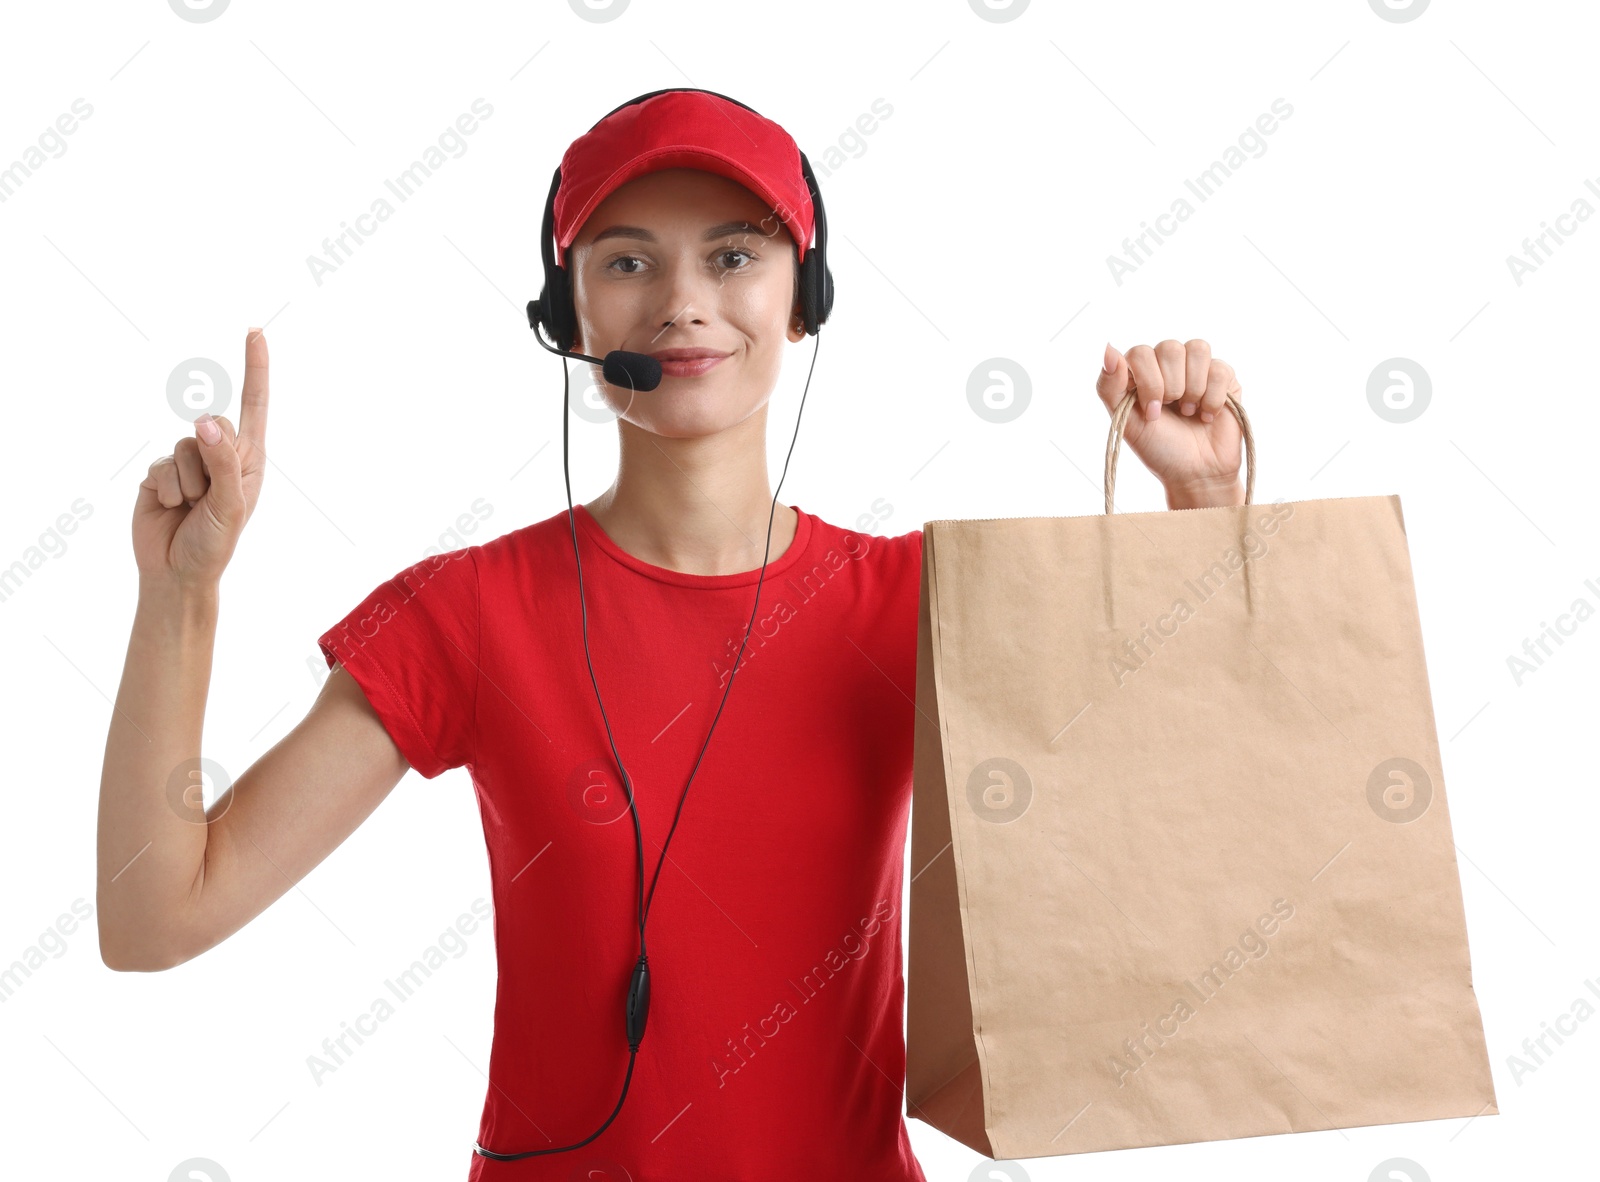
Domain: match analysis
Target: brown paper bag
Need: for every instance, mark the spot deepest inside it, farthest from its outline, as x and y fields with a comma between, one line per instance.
x=1182, y=866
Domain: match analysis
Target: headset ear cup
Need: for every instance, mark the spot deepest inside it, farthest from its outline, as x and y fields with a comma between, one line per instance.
x=540, y=312
x=556, y=308
x=827, y=292
x=810, y=297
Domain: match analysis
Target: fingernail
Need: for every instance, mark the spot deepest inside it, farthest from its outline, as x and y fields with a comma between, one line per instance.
x=1187, y=408
x=208, y=429
x=1151, y=410
x=1206, y=416
x=1109, y=363
x=255, y=329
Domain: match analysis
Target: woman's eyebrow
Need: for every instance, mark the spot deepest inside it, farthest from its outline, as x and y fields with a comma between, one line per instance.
x=643, y=235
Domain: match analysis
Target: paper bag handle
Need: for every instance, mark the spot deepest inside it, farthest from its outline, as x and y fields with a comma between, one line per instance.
x=1119, y=420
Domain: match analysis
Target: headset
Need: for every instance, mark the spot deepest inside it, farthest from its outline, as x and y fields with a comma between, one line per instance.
x=555, y=312
x=554, y=308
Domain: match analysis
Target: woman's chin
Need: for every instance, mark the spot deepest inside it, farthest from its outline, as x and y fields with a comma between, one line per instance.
x=684, y=410
x=684, y=426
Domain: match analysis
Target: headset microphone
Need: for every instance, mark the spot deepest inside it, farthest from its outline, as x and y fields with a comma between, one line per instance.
x=631, y=371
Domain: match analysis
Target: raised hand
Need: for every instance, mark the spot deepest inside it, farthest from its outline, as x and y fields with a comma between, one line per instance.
x=194, y=503
x=1180, y=426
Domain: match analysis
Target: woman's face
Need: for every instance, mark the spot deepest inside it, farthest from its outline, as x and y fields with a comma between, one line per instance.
x=687, y=260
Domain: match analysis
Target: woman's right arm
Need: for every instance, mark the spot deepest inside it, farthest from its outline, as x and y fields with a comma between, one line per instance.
x=174, y=878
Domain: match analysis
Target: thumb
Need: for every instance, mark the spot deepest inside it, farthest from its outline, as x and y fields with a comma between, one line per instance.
x=1113, y=383
x=219, y=453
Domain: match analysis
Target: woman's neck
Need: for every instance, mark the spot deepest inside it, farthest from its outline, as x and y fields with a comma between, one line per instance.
x=699, y=506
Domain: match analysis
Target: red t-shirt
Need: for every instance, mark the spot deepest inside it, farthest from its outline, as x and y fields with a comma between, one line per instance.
x=774, y=1049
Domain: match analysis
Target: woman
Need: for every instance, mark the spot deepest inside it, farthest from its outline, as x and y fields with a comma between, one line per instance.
x=775, y=1015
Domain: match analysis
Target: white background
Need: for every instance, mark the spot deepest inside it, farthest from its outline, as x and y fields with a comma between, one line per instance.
x=974, y=222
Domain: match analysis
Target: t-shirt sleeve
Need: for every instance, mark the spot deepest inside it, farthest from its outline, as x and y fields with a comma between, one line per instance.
x=412, y=645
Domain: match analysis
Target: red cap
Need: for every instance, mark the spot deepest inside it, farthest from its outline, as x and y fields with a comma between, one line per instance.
x=682, y=129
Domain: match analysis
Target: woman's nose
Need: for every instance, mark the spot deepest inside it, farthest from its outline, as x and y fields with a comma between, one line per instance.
x=689, y=292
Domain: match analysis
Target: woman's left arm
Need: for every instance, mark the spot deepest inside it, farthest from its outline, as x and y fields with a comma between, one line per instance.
x=1194, y=448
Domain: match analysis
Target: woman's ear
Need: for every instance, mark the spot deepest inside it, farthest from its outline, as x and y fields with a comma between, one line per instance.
x=579, y=302
x=797, y=320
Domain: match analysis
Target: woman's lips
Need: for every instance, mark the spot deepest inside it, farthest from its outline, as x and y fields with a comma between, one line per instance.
x=691, y=368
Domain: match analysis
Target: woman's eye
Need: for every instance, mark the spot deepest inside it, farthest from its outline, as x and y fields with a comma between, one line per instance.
x=621, y=263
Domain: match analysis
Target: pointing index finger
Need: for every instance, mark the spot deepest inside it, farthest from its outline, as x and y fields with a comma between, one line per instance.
x=253, y=398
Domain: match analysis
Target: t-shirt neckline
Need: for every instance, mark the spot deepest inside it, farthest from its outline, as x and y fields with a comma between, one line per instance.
x=776, y=566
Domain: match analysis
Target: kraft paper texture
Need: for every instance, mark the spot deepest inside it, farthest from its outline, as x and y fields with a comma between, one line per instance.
x=1181, y=857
